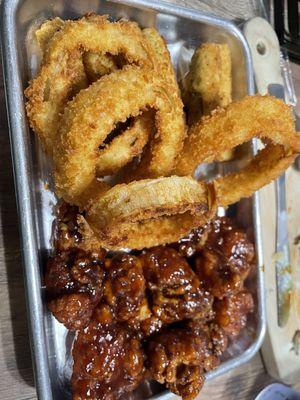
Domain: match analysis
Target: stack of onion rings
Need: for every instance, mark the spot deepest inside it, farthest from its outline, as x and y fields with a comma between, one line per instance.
x=266, y=117
x=87, y=122
x=78, y=52
x=62, y=72
x=97, y=75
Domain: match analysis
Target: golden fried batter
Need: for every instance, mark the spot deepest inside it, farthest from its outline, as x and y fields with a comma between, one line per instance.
x=87, y=122
x=63, y=69
x=209, y=80
x=149, y=212
x=253, y=116
x=269, y=163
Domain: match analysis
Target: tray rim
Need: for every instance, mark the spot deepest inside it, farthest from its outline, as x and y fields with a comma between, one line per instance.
x=17, y=123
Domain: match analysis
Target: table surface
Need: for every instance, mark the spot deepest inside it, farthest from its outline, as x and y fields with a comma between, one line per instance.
x=17, y=382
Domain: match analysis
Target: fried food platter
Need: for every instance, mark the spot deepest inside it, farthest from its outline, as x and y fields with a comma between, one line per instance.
x=51, y=340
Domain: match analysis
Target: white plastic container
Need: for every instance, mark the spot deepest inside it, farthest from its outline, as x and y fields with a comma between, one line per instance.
x=277, y=391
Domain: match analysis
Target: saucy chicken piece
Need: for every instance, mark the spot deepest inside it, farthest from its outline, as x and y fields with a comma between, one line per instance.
x=217, y=337
x=231, y=312
x=72, y=310
x=124, y=297
x=124, y=289
x=74, y=286
x=189, y=245
x=173, y=291
x=108, y=362
x=179, y=357
x=226, y=259
x=174, y=288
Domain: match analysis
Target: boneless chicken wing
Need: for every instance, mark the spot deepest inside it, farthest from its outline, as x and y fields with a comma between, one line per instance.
x=74, y=286
x=226, y=259
x=231, y=312
x=179, y=358
x=174, y=288
x=125, y=296
x=108, y=362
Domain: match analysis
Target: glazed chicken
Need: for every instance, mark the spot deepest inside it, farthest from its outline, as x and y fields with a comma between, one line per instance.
x=179, y=357
x=157, y=288
x=216, y=334
x=181, y=304
x=124, y=289
x=125, y=296
x=190, y=245
x=67, y=233
x=175, y=290
x=74, y=286
x=231, y=312
x=108, y=362
x=225, y=260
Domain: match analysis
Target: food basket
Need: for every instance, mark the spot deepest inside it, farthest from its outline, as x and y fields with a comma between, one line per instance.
x=182, y=28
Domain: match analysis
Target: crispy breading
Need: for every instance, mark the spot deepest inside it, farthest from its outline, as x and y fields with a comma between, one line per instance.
x=269, y=163
x=47, y=30
x=146, y=165
x=66, y=42
x=97, y=65
x=63, y=69
x=150, y=212
x=209, y=83
x=142, y=168
x=209, y=80
x=253, y=116
x=126, y=145
x=87, y=122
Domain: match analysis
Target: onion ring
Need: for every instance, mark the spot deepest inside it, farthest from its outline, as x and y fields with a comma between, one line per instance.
x=148, y=165
x=209, y=81
x=46, y=31
x=253, y=116
x=151, y=163
x=63, y=73
x=96, y=188
x=126, y=146
x=95, y=64
x=87, y=122
x=273, y=160
x=149, y=212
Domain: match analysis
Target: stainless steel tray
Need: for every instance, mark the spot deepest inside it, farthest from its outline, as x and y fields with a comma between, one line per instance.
x=50, y=341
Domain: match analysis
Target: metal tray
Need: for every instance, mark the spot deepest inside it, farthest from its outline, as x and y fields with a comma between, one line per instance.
x=50, y=341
